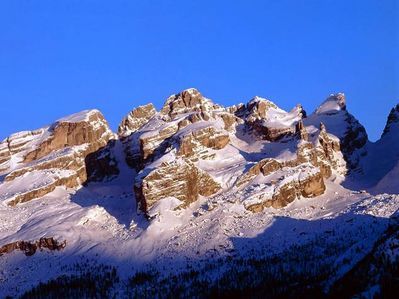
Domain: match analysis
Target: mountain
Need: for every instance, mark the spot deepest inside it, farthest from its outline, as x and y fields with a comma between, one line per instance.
x=198, y=199
x=382, y=162
x=376, y=163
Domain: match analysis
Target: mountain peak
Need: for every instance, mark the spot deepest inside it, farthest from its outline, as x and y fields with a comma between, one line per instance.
x=80, y=116
x=258, y=107
x=188, y=100
x=392, y=120
x=257, y=99
x=136, y=119
x=335, y=102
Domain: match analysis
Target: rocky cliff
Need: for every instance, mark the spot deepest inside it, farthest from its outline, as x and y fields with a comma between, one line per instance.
x=34, y=163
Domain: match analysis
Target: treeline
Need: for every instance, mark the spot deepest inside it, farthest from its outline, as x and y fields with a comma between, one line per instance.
x=379, y=269
x=94, y=282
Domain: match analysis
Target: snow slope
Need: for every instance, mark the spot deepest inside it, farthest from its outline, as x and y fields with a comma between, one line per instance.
x=214, y=229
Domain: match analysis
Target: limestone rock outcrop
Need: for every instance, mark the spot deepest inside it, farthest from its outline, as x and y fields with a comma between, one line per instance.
x=88, y=128
x=41, y=160
x=209, y=138
x=189, y=100
x=164, y=130
x=179, y=179
x=281, y=182
x=137, y=118
x=328, y=151
x=269, y=121
x=340, y=123
x=306, y=186
x=30, y=248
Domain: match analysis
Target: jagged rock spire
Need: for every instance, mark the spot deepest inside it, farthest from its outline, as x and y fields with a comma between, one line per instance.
x=335, y=102
x=301, y=131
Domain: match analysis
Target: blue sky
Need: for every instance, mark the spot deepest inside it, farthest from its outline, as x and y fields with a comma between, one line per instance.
x=60, y=57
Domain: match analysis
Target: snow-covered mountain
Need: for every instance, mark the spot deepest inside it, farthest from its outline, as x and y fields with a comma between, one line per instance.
x=200, y=200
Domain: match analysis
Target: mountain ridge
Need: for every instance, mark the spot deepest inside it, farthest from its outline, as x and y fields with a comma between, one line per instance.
x=191, y=178
x=214, y=127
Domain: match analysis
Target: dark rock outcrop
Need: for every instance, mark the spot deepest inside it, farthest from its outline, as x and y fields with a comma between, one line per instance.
x=30, y=248
x=102, y=165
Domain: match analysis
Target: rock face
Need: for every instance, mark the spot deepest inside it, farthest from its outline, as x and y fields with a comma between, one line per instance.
x=188, y=129
x=353, y=143
x=179, y=111
x=189, y=100
x=328, y=151
x=41, y=160
x=102, y=164
x=136, y=119
x=16, y=143
x=307, y=186
x=88, y=128
x=269, y=121
x=154, y=141
x=30, y=248
x=272, y=183
x=301, y=131
x=180, y=179
x=340, y=123
x=192, y=144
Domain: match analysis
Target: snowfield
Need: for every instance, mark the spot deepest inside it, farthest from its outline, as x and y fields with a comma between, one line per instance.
x=206, y=230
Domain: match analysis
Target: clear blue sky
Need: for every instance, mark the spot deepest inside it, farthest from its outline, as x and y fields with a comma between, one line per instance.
x=60, y=57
